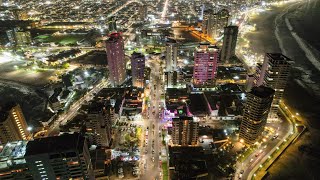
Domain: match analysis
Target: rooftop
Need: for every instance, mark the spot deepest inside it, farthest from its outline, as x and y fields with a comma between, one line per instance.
x=4, y=110
x=262, y=91
x=182, y=118
x=62, y=143
x=278, y=57
x=114, y=37
x=12, y=154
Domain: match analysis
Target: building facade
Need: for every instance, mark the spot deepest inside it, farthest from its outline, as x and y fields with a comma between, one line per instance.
x=13, y=125
x=171, y=79
x=229, y=43
x=256, y=112
x=185, y=131
x=137, y=69
x=18, y=37
x=214, y=22
x=99, y=123
x=116, y=59
x=57, y=157
x=171, y=56
x=274, y=73
x=205, y=65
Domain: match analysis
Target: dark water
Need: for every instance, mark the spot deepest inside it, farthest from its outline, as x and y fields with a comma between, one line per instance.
x=299, y=39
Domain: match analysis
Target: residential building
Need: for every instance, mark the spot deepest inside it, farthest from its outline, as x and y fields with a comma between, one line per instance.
x=185, y=131
x=116, y=60
x=274, y=73
x=57, y=157
x=255, y=115
x=171, y=56
x=98, y=124
x=214, y=22
x=137, y=69
x=18, y=37
x=205, y=64
x=23, y=38
x=13, y=126
x=171, y=79
x=229, y=43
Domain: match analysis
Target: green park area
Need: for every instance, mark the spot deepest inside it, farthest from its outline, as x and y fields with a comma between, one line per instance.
x=61, y=39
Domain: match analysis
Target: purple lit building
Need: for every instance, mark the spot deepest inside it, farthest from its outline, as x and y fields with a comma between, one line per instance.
x=137, y=68
x=116, y=60
x=205, y=65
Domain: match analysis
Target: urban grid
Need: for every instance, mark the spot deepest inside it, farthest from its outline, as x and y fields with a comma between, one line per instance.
x=159, y=89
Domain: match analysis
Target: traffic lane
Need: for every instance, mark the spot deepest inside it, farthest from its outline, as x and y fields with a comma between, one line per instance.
x=281, y=131
x=250, y=165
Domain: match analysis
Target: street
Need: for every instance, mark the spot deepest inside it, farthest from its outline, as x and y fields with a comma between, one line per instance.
x=151, y=152
x=72, y=112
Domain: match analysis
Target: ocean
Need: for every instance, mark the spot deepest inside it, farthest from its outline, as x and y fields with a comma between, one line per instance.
x=297, y=30
x=294, y=30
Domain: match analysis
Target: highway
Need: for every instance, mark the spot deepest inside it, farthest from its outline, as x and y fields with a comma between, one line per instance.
x=151, y=168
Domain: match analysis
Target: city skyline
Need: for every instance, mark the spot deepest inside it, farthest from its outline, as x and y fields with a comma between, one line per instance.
x=159, y=89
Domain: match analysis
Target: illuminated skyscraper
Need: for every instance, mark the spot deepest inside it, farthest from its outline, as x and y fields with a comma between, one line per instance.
x=274, y=73
x=137, y=69
x=185, y=131
x=229, y=43
x=171, y=56
x=13, y=126
x=205, y=64
x=116, y=60
x=255, y=115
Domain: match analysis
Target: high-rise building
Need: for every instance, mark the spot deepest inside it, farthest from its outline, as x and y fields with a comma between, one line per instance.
x=57, y=157
x=99, y=123
x=274, y=73
x=112, y=24
x=185, y=131
x=214, y=22
x=229, y=43
x=13, y=126
x=116, y=60
x=137, y=69
x=171, y=56
x=255, y=115
x=205, y=64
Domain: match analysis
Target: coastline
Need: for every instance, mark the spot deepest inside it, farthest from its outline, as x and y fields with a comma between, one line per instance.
x=277, y=32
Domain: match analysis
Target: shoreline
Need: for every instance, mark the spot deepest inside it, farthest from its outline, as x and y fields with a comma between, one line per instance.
x=298, y=95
